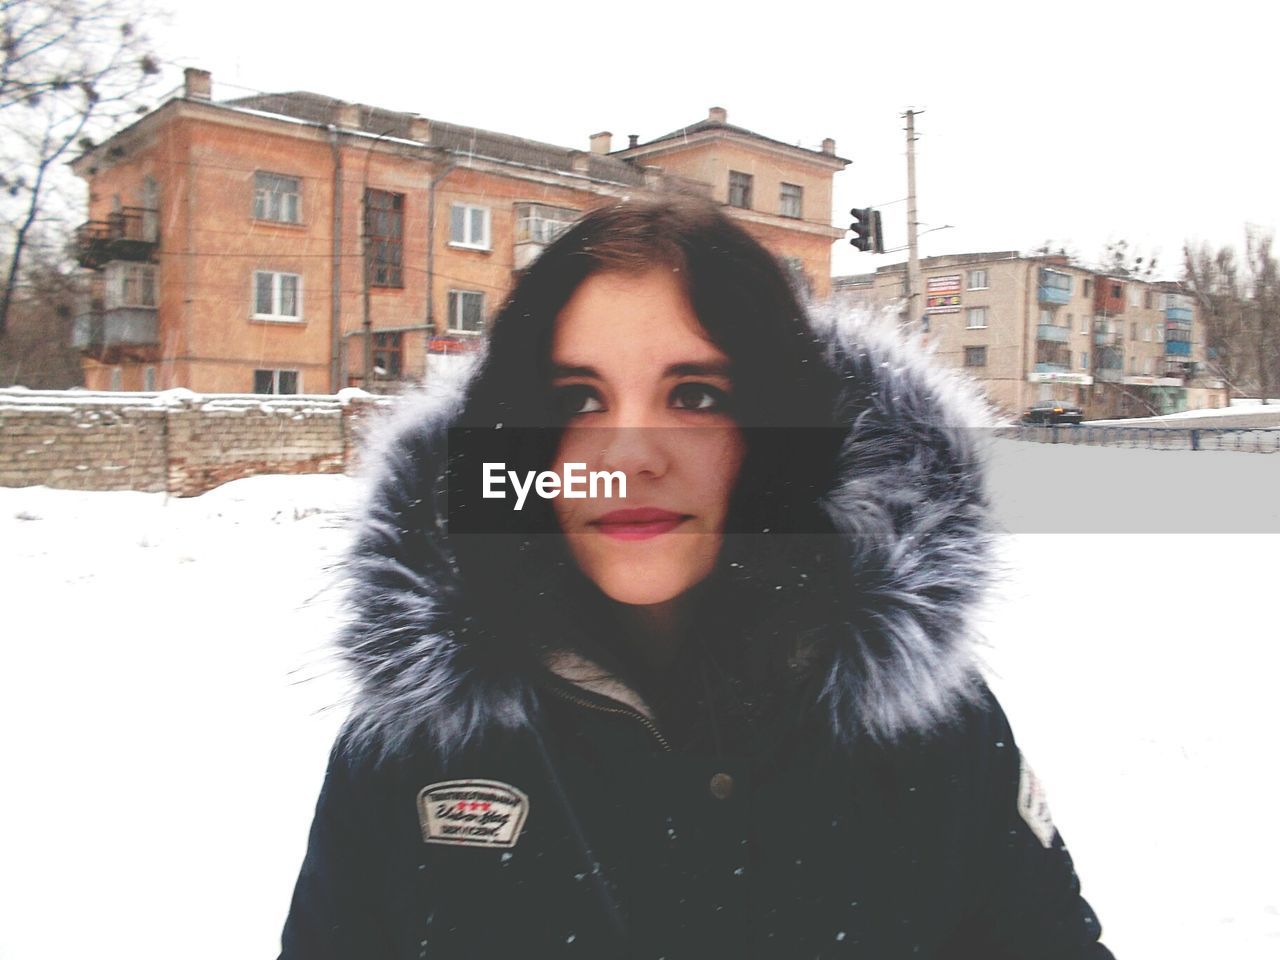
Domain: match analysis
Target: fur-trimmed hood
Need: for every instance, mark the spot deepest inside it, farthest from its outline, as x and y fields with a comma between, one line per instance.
x=908, y=501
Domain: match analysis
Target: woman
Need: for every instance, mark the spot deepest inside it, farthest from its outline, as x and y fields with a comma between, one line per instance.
x=736, y=713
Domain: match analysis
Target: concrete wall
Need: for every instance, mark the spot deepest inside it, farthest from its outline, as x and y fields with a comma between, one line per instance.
x=176, y=441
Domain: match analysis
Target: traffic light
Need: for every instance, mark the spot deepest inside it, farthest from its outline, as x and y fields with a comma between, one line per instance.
x=867, y=231
x=862, y=227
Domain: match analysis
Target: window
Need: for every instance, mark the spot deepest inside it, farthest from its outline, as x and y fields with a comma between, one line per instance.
x=384, y=237
x=130, y=285
x=975, y=356
x=739, y=189
x=277, y=197
x=388, y=349
x=1133, y=364
x=1146, y=300
x=149, y=379
x=1146, y=332
x=466, y=311
x=277, y=296
x=1084, y=324
x=1088, y=287
x=1046, y=316
x=1117, y=291
x=1133, y=331
x=1159, y=334
x=117, y=378
x=976, y=317
x=977, y=279
x=1055, y=281
x=1084, y=361
x=275, y=381
x=791, y=200
x=469, y=226
x=1135, y=297
x=924, y=323
x=540, y=223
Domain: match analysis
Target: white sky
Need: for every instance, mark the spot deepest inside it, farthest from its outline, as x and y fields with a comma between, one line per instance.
x=1080, y=124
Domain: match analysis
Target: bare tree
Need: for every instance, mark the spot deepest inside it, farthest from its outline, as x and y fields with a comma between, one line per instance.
x=37, y=351
x=1240, y=305
x=1264, y=303
x=69, y=69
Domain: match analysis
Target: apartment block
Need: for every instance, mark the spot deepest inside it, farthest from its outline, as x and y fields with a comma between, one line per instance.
x=1034, y=328
x=290, y=243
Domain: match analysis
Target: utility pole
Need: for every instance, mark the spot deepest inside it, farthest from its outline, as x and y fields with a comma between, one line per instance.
x=913, y=252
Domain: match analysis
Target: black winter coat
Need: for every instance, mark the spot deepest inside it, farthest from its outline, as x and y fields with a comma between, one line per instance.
x=476, y=806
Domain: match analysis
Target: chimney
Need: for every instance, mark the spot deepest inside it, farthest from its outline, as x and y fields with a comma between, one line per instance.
x=601, y=142
x=346, y=115
x=718, y=115
x=197, y=84
x=632, y=140
x=580, y=161
x=420, y=129
x=829, y=147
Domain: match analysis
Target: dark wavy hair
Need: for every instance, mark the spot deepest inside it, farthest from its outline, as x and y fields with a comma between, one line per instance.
x=784, y=396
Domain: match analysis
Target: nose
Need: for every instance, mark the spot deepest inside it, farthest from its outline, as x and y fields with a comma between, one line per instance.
x=635, y=450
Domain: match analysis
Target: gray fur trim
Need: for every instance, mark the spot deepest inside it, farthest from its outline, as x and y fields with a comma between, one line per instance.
x=909, y=501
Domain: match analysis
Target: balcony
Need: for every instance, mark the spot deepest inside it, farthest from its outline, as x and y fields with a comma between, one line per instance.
x=1103, y=339
x=1054, y=287
x=1178, y=314
x=1109, y=375
x=1177, y=348
x=109, y=331
x=1052, y=368
x=1052, y=333
x=131, y=233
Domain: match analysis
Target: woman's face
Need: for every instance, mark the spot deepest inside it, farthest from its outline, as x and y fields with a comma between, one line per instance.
x=646, y=393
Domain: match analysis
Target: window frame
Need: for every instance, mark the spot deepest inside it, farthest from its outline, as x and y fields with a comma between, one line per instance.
x=973, y=274
x=276, y=297
x=746, y=182
x=468, y=242
x=798, y=197
x=384, y=252
x=393, y=351
x=454, y=310
x=118, y=282
x=275, y=381
x=967, y=354
x=532, y=218
x=260, y=209
x=968, y=318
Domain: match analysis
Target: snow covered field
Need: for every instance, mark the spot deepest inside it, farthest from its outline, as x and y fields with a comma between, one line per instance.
x=166, y=687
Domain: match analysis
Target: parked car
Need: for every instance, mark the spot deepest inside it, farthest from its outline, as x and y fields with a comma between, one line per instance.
x=1053, y=411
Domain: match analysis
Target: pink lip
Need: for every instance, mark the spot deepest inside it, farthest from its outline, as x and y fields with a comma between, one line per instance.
x=639, y=523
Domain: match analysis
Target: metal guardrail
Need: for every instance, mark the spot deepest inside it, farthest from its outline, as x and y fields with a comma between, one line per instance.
x=1244, y=440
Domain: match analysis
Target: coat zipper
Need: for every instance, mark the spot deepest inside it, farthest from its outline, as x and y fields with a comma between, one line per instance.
x=619, y=710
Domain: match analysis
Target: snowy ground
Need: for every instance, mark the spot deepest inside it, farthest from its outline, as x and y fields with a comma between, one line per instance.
x=166, y=682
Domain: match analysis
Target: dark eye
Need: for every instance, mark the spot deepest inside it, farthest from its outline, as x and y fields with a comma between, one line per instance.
x=577, y=398
x=699, y=396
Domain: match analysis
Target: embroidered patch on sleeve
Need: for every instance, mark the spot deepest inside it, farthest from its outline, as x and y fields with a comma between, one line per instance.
x=1033, y=805
x=472, y=813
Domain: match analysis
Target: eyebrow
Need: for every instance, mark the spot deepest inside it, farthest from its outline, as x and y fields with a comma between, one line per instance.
x=713, y=368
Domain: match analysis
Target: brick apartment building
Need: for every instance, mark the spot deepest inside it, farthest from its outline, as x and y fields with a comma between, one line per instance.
x=289, y=243
x=1034, y=328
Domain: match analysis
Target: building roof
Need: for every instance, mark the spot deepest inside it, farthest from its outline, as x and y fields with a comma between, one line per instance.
x=472, y=141
x=710, y=124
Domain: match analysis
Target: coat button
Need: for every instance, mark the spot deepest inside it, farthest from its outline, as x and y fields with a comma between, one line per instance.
x=722, y=786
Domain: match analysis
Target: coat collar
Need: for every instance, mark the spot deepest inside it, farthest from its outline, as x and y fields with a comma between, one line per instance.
x=908, y=498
